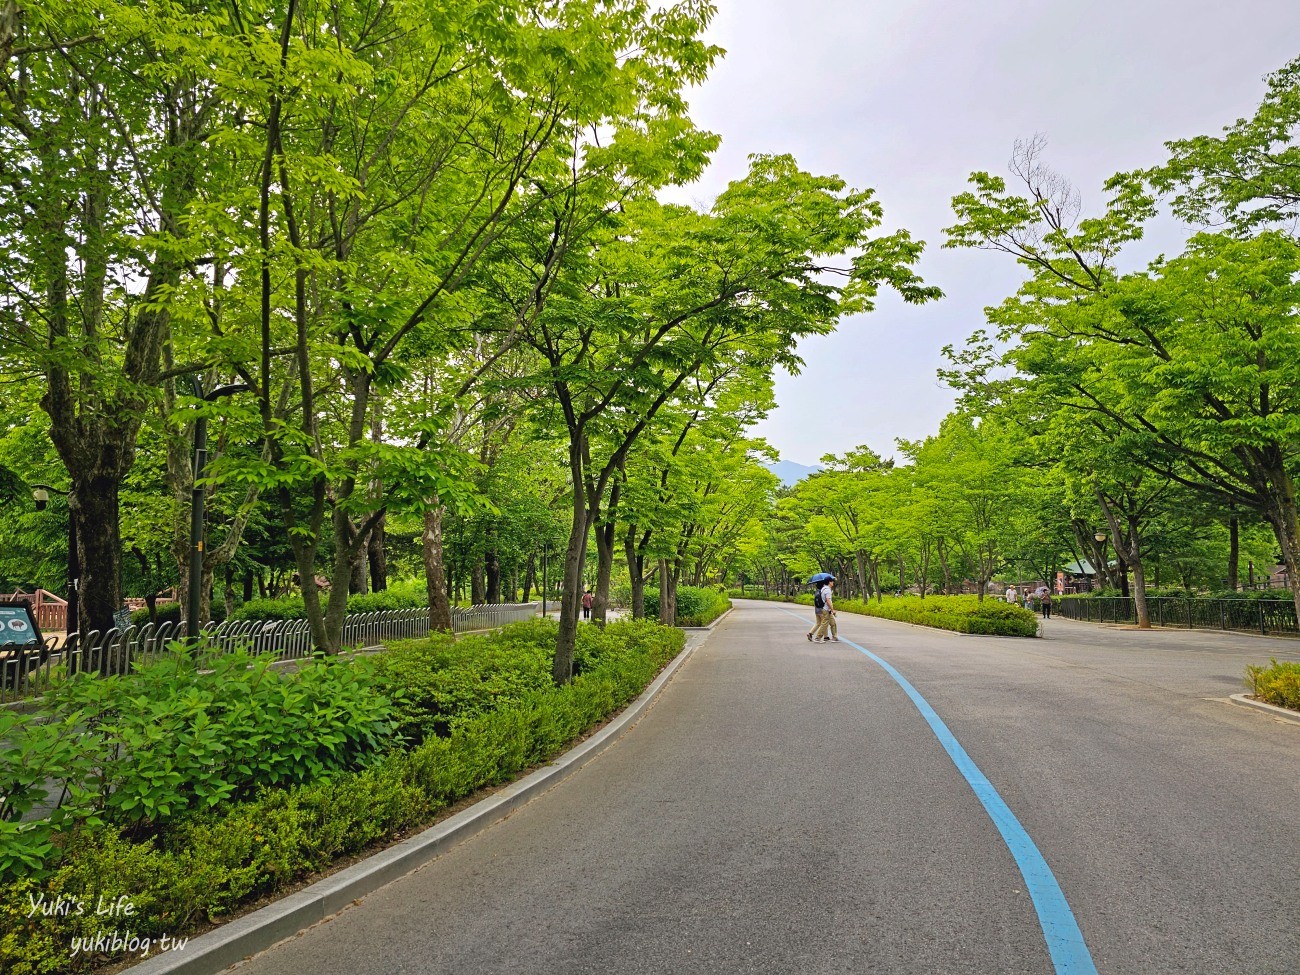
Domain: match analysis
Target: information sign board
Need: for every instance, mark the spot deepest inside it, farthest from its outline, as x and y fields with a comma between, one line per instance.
x=18, y=624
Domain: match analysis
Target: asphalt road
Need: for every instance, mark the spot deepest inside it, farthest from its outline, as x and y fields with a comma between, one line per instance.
x=784, y=808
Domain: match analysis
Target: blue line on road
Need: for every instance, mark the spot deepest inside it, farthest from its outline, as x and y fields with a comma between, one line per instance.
x=1064, y=939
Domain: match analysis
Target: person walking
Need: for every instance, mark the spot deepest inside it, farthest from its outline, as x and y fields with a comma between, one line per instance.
x=587, y=599
x=1012, y=596
x=818, y=608
x=1045, y=601
x=827, y=620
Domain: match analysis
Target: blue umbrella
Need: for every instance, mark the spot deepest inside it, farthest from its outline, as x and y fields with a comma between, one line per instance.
x=820, y=577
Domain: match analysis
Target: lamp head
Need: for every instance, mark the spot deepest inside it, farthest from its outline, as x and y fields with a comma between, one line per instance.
x=1100, y=536
x=41, y=497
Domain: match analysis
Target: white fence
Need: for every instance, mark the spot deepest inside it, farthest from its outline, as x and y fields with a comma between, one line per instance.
x=28, y=670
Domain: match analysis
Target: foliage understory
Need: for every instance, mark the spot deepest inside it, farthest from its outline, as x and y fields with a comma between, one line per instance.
x=1174, y=592
x=1277, y=684
x=400, y=595
x=194, y=795
x=962, y=614
x=696, y=606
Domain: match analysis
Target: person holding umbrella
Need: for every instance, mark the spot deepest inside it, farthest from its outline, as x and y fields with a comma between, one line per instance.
x=824, y=606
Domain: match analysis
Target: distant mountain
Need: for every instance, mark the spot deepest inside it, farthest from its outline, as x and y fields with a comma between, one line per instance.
x=791, y=473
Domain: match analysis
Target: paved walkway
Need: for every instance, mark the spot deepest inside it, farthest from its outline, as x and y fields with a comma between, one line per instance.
x=785, y=808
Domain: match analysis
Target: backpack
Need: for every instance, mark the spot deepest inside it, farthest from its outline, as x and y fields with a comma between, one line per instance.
x=818, y=603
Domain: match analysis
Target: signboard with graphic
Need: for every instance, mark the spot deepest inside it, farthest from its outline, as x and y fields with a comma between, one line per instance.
x=18, y=624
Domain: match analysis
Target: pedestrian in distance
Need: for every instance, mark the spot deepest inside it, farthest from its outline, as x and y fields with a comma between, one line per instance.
x=818, y=608
x=1012, y=596
x=1045, y=601
x=587, y=599
x=827, y=620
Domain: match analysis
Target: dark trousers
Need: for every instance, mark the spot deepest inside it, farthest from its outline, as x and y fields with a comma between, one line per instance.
x=1047, y=611
x=586, y=612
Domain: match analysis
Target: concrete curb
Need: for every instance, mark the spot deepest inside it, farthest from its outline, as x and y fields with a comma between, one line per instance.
x=709, y=629
x=243, y=937
x=1285, y=714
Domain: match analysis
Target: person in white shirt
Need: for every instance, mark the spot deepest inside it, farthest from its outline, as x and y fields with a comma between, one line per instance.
x=827, y=619
x=1012, y=598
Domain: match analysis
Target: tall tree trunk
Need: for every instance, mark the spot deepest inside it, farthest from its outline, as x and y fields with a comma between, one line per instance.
x=530, y=576
x=571, y=571
x=1286, y=529
x=636, y=569
x=1234, y=554
x=667, y=594
x=228, y=590
x=435, y=578
x=358, y=577
x=477, y=589
x=491, y=566
x=604, y=567
x=606, y=528
x=377, y=556
x=93, y=505
x=1129, y=547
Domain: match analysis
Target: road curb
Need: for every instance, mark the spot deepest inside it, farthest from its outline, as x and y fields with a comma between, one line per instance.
x=1286, y=714
x=709, y=629
x=243, y=937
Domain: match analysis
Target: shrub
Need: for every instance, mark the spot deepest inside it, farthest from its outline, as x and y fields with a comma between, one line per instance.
x=410, y=594
x=962, y=614
x=439, y=679
x=201, y=865
x=1278, y=683
x=695, y=606
x=138, y=750
x=173, y=613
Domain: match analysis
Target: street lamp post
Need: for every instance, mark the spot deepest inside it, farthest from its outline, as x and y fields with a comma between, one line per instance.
x=41, y=495
x=195, y=600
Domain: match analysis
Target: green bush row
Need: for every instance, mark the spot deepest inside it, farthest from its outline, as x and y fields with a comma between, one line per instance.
x=963, y=614
x=1278, y=683
x=410, y=594
x=134, y=751
x=696, y=606
x=199, y=866
x=1176, y=592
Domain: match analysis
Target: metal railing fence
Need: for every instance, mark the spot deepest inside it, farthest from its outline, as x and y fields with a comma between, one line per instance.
x=1264, y=616
x=29, y=670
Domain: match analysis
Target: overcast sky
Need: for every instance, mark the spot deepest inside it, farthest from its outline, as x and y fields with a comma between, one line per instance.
x=909, y=97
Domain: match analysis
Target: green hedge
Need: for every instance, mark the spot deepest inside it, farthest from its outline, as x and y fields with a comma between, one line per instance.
x=963, y=614
x=696, y=606
x=1174, y=592
x=403, y=595
x=136, y=751
x=1278, y=683
x=199, y=866
x=410, y=594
